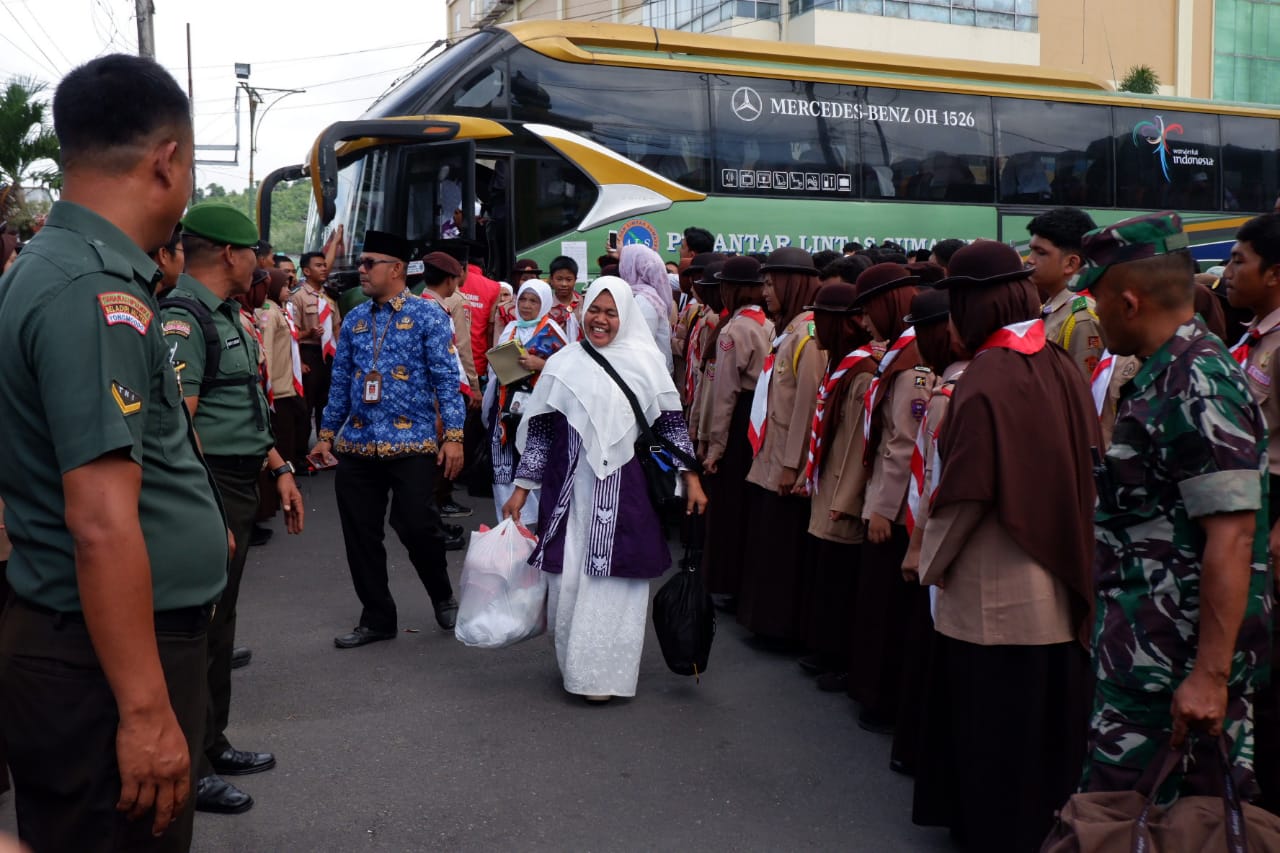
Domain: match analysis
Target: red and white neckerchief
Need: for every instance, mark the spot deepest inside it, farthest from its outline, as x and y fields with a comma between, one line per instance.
x=464, y=384
x=1244, y=346
x=694, y=358
x=1100, y=384
x=264, y=376
x=926, y=443
x=1027, y=337
x=293, y=345
x=829, y=380
x=874, y=394
x=324, y=317
x=758, y=420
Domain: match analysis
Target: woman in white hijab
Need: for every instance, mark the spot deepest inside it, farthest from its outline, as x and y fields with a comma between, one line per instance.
x=503, y=404
x=601, y=540
x=643, y=269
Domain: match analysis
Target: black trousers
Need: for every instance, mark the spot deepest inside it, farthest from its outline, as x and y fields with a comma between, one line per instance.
x=315, y=383
x=237, y=481
x=59, y=719
x=292, y=430
x=363, y=486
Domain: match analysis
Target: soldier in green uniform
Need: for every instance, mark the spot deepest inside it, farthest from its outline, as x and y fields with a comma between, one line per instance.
x=119, y=545
x=202, y=324
x=1181, y=635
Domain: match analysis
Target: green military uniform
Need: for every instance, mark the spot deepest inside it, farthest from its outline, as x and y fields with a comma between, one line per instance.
x=87, y=374
x=1189, y=442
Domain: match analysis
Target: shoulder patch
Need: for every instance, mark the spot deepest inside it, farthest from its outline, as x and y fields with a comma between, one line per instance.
x=1080, y=303
x=1259, y=375
x=176, y=327
x=125, y=309
x=726, y=342
x=127, y=399
x=918, y=408
x=1095, y=342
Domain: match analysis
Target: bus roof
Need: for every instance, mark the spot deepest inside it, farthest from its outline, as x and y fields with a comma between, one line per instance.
x=648, y=47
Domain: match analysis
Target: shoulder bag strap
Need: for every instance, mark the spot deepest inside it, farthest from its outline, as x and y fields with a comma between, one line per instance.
x=646, y=430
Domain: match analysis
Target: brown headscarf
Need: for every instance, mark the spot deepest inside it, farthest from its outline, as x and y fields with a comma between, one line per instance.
x=1017, y=422
x=839, y=335
x=1210, y=309
x=886, y=312
x=795, y=290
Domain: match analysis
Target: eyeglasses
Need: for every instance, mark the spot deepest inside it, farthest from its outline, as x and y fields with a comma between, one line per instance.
x=370, y=263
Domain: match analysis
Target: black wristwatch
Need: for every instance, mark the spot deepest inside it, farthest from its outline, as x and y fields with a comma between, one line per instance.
x=286, y=468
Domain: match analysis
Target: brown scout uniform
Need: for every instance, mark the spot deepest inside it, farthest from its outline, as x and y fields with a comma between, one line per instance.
x=901, y=411
x=842, y=480
x=1126, y=367
x=699, y=407
x=277, y=347
x=1262, y=370
x=457, y=305
x=934, y=417
x=740, y=353
x=1071, y=322
x=306, y=305
x=793, y=395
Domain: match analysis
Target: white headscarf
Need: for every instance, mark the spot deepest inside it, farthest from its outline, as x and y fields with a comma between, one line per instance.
x=574, y=385
x=522, y=330
x=643, y=269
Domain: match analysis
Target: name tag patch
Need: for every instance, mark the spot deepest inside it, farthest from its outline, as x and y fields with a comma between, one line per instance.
x=360, y=326
x=127, y=399
x=232, y=343
x=123, y=309
x=176, y=327
x=1259, y=375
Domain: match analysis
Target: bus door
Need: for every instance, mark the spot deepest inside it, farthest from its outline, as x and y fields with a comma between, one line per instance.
x=495, y=226
x=435, y=189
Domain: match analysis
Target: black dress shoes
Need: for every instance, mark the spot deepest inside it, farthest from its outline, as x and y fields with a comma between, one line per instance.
x=221, y=797
x=362, y=636
x=237, y=762
x=240, y=657
x=453, y=509
x=447, y=613
x=455, y=542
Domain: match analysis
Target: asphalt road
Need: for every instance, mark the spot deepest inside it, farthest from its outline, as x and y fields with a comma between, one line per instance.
x=423, y=744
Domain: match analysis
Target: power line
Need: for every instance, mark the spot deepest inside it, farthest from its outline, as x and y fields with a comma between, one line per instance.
x=51, y=39
x=53, y=66
x=316, y=56
x=321, y=84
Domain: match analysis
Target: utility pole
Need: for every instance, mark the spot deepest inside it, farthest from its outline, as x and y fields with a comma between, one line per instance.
x=191, y=100
x=255, y=94
x=146, y=28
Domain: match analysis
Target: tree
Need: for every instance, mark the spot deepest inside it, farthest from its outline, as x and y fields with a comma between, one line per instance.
x=28, y=147
x=1142, y=80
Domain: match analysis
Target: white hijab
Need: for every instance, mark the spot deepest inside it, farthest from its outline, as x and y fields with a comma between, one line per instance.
x=522, y=330
x=574, y=385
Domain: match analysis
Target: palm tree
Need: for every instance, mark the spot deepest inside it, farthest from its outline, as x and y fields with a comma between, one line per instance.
x=28, y=146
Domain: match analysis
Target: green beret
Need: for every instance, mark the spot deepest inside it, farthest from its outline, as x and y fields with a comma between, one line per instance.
x=222, y=224
x=1130, y=239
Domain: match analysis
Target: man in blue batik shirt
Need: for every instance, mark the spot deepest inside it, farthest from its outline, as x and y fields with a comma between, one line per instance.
x=395, y=370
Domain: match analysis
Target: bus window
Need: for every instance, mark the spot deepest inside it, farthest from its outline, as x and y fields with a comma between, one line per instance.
x=1053, y=153
x=1249, y=167
x=482, y=93
x=655, y=118
x=361, y=205
x=1166, y=159
x=552, y=198
x=434, y=180
x=928, y=146
x=784, y=138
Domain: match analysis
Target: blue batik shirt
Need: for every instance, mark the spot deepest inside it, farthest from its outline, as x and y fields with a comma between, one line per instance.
x=417, y=361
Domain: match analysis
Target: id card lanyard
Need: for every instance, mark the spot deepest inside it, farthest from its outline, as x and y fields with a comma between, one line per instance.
x=373, y=379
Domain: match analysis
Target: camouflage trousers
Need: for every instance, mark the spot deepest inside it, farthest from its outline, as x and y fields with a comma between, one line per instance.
x=1128, y=728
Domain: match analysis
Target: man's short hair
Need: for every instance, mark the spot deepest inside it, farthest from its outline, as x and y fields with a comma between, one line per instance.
x=852, y=246
x=174, y=239
x=263, y=249
x=564, y=262
x=282, y=258
x=106, y=111
x=825, y=257
x=699, y=240
x=944, y=249
x=1263, y=234
x=847, y=269
x=199, y=250
x=308, y=257
x=1064, y=227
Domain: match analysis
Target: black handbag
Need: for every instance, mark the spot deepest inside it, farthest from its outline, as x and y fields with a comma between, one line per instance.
x=659, y=458
x=683, y=616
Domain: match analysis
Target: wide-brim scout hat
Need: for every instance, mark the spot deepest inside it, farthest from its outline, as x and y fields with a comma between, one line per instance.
x=838, y=297
x=983, y=263
x=882, y=278
x=702, y=260
x=221, y=224
x=929, y=306
x=741, y=271
x=446, y=263
x=1132, y=239
x=790, y=259
x=710, y=273
x=930, y=273
x=526, y=265
x=385, y=243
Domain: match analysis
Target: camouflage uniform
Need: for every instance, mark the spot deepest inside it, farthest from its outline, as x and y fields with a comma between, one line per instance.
x=1189, y=442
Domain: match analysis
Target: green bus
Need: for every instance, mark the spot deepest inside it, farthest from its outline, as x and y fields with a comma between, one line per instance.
x=538, y=139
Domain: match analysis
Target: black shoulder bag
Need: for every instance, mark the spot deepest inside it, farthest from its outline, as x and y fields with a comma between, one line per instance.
x=658, y=457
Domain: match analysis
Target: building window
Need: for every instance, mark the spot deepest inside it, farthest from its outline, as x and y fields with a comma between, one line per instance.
x=706, y=15
x=1022, y=15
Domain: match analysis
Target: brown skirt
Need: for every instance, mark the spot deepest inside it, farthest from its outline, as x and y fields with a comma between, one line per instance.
x=831, y=596
x=1003, y=741
x=772, y=599
x=726, y=544
x=881, y=624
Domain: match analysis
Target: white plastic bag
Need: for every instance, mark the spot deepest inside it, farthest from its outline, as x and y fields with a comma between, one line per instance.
x=504, y=599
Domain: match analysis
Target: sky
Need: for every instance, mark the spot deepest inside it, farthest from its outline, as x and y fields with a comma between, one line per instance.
x=344, y=56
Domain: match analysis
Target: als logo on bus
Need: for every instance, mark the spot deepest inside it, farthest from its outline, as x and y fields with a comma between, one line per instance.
x=638, y=231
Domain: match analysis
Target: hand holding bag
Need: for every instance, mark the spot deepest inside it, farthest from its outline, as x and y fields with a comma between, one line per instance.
x=503, y=599
x=683, y=616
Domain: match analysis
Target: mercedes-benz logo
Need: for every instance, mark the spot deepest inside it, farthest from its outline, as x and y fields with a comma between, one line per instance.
x=746, y=103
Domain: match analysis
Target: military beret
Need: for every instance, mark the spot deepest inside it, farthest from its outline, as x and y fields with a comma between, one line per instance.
x=1131, y=239
x=447, y=264
x=222, y=224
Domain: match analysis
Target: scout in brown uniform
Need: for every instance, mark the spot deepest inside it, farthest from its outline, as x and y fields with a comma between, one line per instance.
x=770, y=601
x=835, y=479
x=1252, y=280
x=895, y=404
x=704, y=335
x=685, y=348
x=741, y=348
x=289, y=418
x=1071, y=320
x=307, y=305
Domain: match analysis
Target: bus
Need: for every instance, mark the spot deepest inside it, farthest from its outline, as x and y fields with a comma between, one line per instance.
x=538, y=139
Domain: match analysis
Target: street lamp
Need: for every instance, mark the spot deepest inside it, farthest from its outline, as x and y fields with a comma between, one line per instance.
x=255, y=98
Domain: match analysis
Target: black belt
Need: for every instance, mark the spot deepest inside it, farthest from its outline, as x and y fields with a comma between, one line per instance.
x=184, y=620
x=237, y=463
